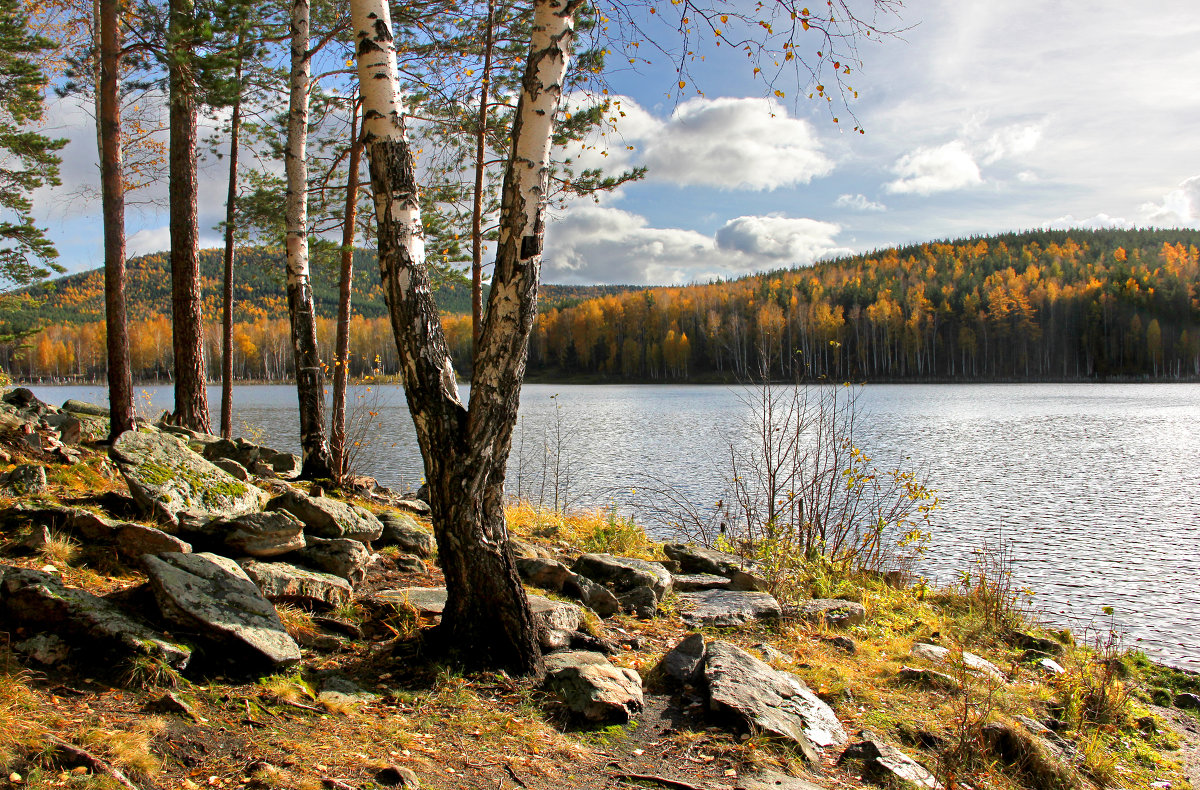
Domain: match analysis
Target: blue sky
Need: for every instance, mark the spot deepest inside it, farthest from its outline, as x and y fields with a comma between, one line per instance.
x=981, y=117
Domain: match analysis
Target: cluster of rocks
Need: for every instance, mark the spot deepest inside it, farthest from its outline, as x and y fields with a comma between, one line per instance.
x=47, y=431
x=226, y=552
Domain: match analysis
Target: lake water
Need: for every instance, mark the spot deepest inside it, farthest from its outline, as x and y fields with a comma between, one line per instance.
x=1097, y=486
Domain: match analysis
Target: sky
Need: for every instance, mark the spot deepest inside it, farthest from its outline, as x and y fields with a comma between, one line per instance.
x=980, y=117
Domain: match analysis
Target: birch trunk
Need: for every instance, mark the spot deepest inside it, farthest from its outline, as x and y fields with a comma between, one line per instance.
x=310, y=378
x=120, y=379
x=187, y=321
x=235, y=128
x=487, y=617
x=477, y=205
x=341, y=365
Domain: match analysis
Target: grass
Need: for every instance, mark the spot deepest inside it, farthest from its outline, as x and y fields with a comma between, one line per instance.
x=599, y=531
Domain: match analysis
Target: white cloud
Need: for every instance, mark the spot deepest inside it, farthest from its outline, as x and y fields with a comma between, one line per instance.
x=858, y=203
x=598, y=244
x=1179, y=206
x=1096, y=222
x=148, y=240
x=1011, y=141
x=929, y=170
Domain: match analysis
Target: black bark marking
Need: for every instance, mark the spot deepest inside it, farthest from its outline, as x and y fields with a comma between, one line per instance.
x=530, y=246
x=382, y=31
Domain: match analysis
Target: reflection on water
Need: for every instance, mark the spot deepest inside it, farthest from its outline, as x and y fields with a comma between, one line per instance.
x=1098, y=486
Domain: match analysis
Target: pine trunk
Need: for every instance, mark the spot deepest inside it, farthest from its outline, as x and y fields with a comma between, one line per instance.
x=341, y=366
x=187, y=328
x=235, y=128
x=120, y=379
x=310, y=377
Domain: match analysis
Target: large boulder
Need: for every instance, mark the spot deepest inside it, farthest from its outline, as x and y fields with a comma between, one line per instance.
x=342, y=557
x=726, y=607
x=85, y=408
x=557, y=621
x=697, y=559
x=698, y=582
x=886, y=765
x=261, y=535
x=134, y=540
x=281, y=581
x=24, y=480
x=832, y=611
x=166, y=479
x=547, y=574
x=769, y=700
x=594, y=596
x=41, y=602
x=329, y=518
x=401, y=529
x=427, y=601
x=213, y=597
x=973, y=664
x=684, y=663
x=593, y=687
x=624, y=574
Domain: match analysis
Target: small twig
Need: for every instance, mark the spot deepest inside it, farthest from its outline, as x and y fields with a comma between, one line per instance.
x=96, y=764
x=660, y=780
x=514, y=776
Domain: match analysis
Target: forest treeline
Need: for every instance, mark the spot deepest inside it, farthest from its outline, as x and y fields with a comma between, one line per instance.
x=1038, y=305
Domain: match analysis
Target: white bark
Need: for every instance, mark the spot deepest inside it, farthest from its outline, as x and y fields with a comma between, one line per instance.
x=295, y=160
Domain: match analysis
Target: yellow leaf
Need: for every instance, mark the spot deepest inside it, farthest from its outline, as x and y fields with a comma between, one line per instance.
x=779, y=93
x=682, y=84
x=724, y=18
x=804, y=23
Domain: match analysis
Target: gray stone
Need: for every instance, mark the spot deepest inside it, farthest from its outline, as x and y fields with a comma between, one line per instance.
x=556, y=621
x=281, y=581
x=70, y=429
x=338, y=690
x=832, y=611
x=261, y=535
x=843, y=643
x=24, y=480
x=972, y=663
x=768, y=700
x=624, y=573
x=329, y=518
x=166, y=478
x=522, y=550
x=428, y=601
x=640, y=602
x=341, y=557
x=684, y=663
x=410, y=563
x=1050, y=666
x=886, y=765
x=403, y=530
x=134, y=540
x=232, y=468
x=697, y=559
x=1028, y=641
x=82, y=407
x=592, y=687
x=547, y=574
x=770, y=652
x=1037, y=758
x=1187, y=701
x=698, y=582
x=594, y=596
x=24, y=399
x=928, y=678
x=418, y=506
x=40, y=602
x=726, y=608
x=45, y=649
x=214, y=597
x=38, y=538
x=398, y=776
x=774, y=780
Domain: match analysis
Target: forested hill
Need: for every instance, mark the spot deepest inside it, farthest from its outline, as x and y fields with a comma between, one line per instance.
x=1022, y=306
x=258, y=290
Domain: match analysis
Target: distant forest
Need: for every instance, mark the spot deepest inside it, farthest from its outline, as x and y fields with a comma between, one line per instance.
x=1038, y=305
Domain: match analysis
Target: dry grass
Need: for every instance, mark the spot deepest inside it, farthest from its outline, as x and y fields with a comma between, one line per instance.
x=600, y=530
x=298, y=622
x=128, y=749
x=61, y=550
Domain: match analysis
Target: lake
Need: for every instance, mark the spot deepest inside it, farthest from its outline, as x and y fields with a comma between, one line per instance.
x=1096, y=485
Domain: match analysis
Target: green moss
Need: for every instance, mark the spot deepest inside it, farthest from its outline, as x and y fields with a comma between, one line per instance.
x=213, y=490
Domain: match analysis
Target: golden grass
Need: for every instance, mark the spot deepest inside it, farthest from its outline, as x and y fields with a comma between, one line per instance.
x=600, y=530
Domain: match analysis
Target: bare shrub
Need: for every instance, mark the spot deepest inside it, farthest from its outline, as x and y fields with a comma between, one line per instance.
x=991, y=590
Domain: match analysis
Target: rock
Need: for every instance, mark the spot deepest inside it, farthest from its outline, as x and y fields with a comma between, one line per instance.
x=404, y=531
x=260, y=535
x=39, y=601
x=556, y=621
x=592, y=687
x=1030, y=755
x=684, y=663
x=166, y=478
x=329, y=518
x=24, y=480
x=843, y=643
x=886, y=765
x=726, y=607
x=768, y=700
x=640, y=602
x=773, y=780
x=1187, y=701
x=45, y=649
x=82, y=407
x=697, y=559
x=37, y=538
x=418, y=506
x=281, y=581
x=24, y=399
x=70, y=429
x=595, y=597
x=341, y=557
x=172, y=705
x=232, y=468
x=770, y=652
x=974, y=664
x=214, y=597
x=428, y=601
x=547, y=574
x=520, y=549
x=697, y=582
x=134, y=540
x=832, y=611
x=623, y=574
x=398, y=776
x=1028, y=641
x=339, y=690
x=409, y=563
x=1050, y=666
x=928, y=678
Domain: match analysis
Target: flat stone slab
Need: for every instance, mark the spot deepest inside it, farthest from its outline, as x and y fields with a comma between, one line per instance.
x=769, y=700
x=41, y=602
x=134, y=540
x=937, y=654
x=832, y=611
x=886, y=765
x=428, y=601
x=282, y=581
x=698, y=582
x=592, y=687
x=329, y=518
x=774, y=780
x=726, y=607
x=214, y=597
x=624, y=573
x=166, y=479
